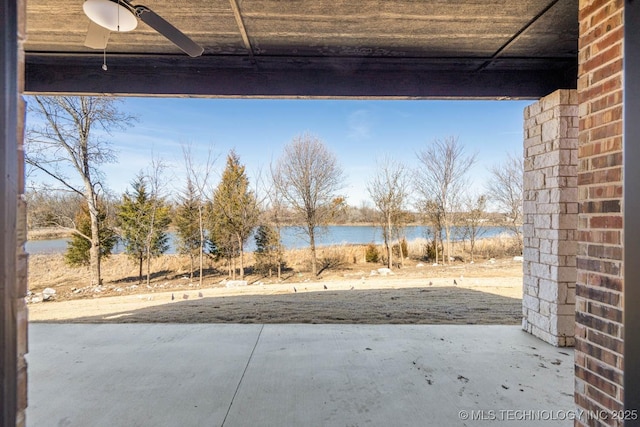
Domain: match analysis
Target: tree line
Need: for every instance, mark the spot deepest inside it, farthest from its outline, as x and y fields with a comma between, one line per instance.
x=302, y=188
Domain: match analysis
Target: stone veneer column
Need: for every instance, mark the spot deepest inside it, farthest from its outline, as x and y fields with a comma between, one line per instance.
x=550, y=217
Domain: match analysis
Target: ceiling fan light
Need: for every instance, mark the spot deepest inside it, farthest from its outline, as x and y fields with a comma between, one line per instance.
x=110, y=14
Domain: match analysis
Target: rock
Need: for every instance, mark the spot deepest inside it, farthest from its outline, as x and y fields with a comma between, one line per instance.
x=77, y=291
x=235, y=283
x=48, y=294
x=419, y=265
x=518, y=258
x=385, y=271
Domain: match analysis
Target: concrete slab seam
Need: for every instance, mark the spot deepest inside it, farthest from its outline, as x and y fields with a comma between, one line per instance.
x=242, y=376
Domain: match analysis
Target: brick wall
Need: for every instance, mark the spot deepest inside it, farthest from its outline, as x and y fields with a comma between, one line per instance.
x=550, y=217
x=599, y=289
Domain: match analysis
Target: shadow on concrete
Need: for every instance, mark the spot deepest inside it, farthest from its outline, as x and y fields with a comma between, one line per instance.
x=425, y=305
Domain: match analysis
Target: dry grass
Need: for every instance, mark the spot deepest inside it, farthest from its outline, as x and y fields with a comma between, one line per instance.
x=120, y=273
x=48, y=233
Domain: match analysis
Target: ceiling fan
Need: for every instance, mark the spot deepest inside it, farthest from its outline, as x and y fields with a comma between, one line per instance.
x=122, y=16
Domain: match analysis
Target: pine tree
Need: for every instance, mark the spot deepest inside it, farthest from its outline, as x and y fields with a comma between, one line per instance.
x=268, y=251
x=187, y=222
x=143, y=221
x=78, y=248
x=234, y=211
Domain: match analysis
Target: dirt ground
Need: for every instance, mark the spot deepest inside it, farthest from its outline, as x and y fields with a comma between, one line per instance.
x=487, y=292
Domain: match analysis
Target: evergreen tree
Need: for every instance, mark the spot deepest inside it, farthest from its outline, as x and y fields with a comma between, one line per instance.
x=234, y=211
x=187, y=222
x=143, y=220
x=78, y=248
x=268, y=249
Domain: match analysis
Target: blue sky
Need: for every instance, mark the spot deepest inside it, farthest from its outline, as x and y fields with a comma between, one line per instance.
x=358, y=132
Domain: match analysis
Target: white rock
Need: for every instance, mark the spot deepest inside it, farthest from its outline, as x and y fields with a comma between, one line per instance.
x=48, y=294
x=235, y=283
x=419, y=265
x=385, y=271
x=518, y=258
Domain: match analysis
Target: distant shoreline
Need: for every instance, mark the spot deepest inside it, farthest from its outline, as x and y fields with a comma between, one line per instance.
x=49, y=233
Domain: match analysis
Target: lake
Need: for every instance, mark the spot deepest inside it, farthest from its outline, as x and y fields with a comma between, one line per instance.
x=292, y=237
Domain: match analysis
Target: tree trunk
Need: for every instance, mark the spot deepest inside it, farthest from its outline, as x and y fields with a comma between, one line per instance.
x=279, y=258
x=312, y=245
x=388, y=243
x=240, y=245
x=140, y=269
x=447, y=234
x=94, y=250
x=148, y=268
x=201, y=255
x=191, y=265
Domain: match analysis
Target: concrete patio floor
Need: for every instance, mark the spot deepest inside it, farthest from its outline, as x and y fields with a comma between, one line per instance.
x=295, y=375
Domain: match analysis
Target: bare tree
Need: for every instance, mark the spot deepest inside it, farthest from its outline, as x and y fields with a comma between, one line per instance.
x=159, y=218
x=432, y=214
x=389, y=190
x=308, y=176
x=273, y=214
x=505, y=189
x=441, y=179
x=53, y=209
x=473, y=218
x=66, y=137
x=197, y=185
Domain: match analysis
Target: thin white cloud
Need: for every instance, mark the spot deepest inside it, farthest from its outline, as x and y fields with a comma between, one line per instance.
x=359, y=123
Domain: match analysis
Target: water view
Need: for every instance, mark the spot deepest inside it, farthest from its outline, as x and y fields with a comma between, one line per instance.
x=292, y=237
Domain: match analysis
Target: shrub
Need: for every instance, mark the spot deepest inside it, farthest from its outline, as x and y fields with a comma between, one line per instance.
x=371, y=253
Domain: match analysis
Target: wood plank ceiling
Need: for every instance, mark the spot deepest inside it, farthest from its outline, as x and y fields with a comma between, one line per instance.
x=315, y=48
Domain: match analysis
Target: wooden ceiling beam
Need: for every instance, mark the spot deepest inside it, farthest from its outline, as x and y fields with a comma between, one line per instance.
x=241, y=26
x=515, y=37
x=324, y=78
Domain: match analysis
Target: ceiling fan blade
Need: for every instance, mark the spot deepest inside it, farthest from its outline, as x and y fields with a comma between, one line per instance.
x=178, y=38
x=97, y=36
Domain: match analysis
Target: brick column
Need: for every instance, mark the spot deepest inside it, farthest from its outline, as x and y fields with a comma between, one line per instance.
x=600, y=286
x=550, y=217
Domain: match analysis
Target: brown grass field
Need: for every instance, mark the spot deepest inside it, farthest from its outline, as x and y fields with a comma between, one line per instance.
x=488, y=291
